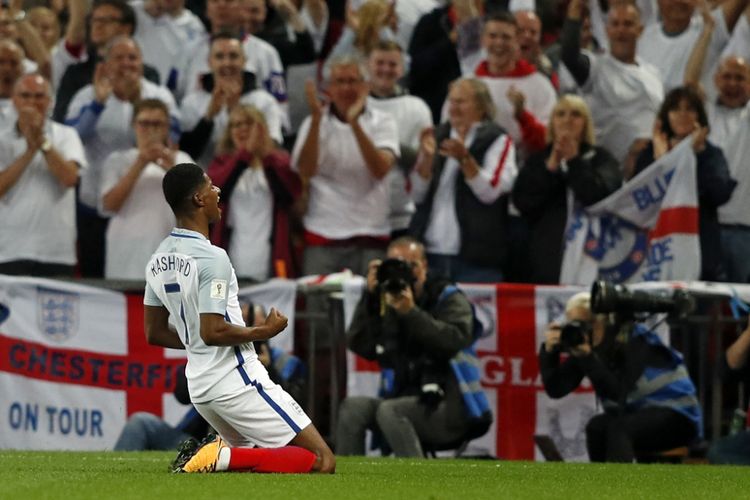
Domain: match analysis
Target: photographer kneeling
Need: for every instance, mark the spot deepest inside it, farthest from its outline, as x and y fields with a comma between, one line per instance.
x=649, y=401
x=413, y=325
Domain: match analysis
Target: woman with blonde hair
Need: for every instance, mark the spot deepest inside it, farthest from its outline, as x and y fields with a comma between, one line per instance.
x=570, y=163
x=258, y=189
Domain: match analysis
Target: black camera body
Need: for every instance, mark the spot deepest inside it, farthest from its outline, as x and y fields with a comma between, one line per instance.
x=574, y=333
x=395, y=275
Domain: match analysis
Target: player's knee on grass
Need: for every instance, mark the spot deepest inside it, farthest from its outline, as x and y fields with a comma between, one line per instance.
x=310, y=439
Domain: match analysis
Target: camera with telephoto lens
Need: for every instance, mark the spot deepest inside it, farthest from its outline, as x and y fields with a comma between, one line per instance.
x=573, y=334
x=608, y=298
x=395, y=275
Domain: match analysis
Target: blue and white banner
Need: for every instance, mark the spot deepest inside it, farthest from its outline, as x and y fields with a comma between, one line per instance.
x=645, y=231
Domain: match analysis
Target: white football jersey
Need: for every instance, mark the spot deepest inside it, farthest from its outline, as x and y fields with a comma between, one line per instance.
x=189, y=276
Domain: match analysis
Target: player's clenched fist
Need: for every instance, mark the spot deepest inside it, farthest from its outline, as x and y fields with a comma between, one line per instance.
x=275, y=321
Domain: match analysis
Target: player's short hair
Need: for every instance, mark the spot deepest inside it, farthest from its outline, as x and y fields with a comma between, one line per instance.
x=180, y=183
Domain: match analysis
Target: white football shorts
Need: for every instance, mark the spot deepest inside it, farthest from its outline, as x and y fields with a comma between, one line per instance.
x=262, y=415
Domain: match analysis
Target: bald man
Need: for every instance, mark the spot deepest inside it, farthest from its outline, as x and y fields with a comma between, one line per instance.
x=730, y=129
x=39, y=168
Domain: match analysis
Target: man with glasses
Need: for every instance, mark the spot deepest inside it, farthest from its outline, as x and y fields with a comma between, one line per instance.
x=39, y=167
x=108, y=19
x=205, y=111
x=130, y=192
x=345, y=150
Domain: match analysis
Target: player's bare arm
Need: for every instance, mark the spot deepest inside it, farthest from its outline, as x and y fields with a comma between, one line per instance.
x=216, y=331
x=158, y=330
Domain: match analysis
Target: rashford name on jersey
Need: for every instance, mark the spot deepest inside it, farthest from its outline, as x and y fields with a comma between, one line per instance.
x=170, y=262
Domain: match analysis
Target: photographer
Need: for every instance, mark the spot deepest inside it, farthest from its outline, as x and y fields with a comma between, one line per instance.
x=413, y=326
x=649, y=401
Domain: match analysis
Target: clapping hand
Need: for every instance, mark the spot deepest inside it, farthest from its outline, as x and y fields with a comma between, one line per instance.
x=31, y=126
x=659, y=140
x=517, y=100
x=102, y=84
x=699, y=137
x=313, y=101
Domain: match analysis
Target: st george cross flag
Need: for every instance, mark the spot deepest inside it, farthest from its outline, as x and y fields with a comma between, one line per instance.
x=645, y=231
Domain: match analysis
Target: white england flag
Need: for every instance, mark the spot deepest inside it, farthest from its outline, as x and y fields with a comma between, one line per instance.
x=645, y=231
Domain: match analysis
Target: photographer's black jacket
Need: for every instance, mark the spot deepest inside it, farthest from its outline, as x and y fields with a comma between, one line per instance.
x=627, y=376
x=613, y=370
x=425, y=338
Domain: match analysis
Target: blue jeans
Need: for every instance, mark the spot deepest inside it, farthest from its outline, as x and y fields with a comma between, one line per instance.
x=146, y=431
x=731, y=450
x=735, y=247
x=455, y=269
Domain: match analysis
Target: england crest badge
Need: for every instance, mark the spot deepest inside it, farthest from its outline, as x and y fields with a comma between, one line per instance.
x=57, y=313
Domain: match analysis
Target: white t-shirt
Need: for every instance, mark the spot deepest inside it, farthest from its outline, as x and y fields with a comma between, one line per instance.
x=163, y=39
x=189, y=276
x=8, y=115
x=345, y=199
x=108, y=129
x=497, y=175
x=196, y=103
x=670, y=54
x=623, y=99
x=737, y=150
x=723, y=122
x=251, y=220
x=144, y=218
x=39, y=214
x=412, y=115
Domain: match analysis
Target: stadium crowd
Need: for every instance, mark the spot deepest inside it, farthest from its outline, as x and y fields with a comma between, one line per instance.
x=333, y=127
x=464, y=123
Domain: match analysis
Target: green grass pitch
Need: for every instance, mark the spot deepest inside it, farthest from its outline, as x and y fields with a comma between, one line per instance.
x=143, y=475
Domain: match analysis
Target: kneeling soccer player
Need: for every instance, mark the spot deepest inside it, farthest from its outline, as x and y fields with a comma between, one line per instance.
x=261, y=428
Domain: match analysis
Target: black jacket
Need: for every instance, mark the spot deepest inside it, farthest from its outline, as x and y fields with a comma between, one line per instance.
x=434, y=61
x=432, y=332
x=541, y=197
x=482, y=226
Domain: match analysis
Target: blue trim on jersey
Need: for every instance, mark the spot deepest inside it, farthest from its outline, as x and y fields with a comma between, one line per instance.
x=178, y=235
x=184, y=323
x=276, y=407
x=172, y=288
x=241, y=365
